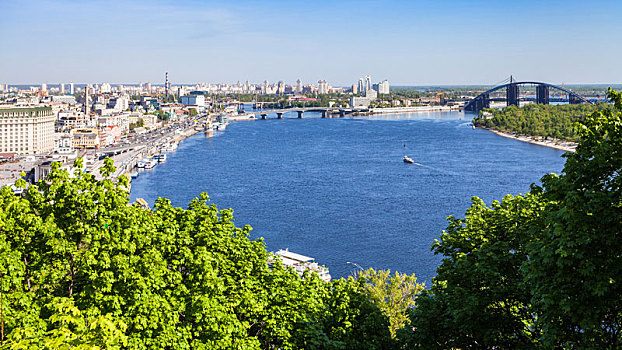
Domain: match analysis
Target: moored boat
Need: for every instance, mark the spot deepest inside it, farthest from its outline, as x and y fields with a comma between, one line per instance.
x=301, y=263
x=151, y=163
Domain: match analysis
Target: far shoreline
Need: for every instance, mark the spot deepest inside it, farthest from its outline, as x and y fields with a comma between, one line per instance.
x=561, y=145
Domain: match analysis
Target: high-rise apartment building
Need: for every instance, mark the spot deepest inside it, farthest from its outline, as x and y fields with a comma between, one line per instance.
x=361, y=87
x=322, y=87
x=26, y=130
x=298, y=86
x=72, y=89
x=367, y=83
x=61, y=88
x=383, y=87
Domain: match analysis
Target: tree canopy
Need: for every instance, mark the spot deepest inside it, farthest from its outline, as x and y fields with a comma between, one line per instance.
x=556, y=121
x=82, y=267
x=539, y=270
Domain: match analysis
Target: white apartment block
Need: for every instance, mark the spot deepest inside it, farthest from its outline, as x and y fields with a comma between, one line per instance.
x=26, y=130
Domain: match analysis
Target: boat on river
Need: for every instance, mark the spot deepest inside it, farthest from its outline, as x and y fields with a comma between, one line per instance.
x=301, y=263
x=142, y=163
x=151, y=164
x=160, y=158
x=408, y=160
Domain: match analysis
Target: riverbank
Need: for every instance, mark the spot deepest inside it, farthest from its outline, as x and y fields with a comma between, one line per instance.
x=567, y=146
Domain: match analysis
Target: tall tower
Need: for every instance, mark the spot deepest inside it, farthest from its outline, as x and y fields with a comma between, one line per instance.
x=166, y=85
x=367, y=83
x=86, y=100
x=71, y=89
x=298, y=86
x=61, y=87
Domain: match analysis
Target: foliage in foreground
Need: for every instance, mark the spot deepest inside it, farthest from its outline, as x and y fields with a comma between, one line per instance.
x=83, y=268
x=540, y=270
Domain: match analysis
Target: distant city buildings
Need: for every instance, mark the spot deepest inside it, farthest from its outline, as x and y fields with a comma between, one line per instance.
x=193, y=100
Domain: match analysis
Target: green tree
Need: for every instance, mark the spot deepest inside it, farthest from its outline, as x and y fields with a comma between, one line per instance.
x=478, y=298
x=393, y=294
x=576, y=267
x=82, y=266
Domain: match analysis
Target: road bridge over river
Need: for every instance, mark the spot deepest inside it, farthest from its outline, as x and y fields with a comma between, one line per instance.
x=325, y=111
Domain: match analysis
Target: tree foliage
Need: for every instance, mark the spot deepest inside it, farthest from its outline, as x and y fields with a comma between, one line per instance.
x=556, y=121
x=540, y=270
x=84, y=268
x=393, y=294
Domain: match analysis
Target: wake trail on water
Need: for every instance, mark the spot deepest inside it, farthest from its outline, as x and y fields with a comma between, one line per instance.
x=436, y=169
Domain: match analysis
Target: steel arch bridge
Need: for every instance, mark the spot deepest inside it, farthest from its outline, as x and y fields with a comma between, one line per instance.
x=513, y=95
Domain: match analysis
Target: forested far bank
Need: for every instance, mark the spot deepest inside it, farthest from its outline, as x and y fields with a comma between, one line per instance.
x=546, y=121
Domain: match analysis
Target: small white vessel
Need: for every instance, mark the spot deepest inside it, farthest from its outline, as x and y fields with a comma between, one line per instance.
x=151, y=164
x=171, y=147
x=142, y=163
x=408, y=160
x=301, y=263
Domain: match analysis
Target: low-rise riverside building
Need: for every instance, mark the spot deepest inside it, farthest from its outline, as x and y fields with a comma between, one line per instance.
x=26, y=130
x=86, y=138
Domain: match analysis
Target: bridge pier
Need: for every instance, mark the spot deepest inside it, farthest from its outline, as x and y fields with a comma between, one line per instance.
x=542, y=94
x=324, y=113
x=342, y=113
x=279, y=115
x=573, y=99
x=512, y=94
x=299, y=114
x=263, y=116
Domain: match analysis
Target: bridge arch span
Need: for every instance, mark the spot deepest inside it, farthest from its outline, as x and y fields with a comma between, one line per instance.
x=482, y=100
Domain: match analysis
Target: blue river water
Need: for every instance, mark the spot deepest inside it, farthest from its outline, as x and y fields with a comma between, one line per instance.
x=337, y=189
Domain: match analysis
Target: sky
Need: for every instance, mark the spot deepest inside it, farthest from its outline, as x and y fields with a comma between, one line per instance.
x=469, y=42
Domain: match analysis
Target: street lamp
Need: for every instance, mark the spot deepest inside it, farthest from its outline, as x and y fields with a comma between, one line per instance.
x=359, y=267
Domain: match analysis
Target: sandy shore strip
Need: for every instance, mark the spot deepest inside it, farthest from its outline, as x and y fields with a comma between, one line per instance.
x=567, y=146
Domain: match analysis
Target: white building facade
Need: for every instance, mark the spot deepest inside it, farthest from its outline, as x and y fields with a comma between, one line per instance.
x=26, y=130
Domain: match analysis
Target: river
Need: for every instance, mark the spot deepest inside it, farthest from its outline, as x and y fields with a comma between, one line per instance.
x=337, y=189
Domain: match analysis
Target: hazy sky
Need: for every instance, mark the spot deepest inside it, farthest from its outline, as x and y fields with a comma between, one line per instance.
x=406, y=42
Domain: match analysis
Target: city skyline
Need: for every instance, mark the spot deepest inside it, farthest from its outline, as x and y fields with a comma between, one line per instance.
x=408, y=43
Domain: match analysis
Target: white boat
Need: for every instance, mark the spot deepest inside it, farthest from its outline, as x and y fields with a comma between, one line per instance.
x=142, y=163
x=408, y=160
x=162, y=158
x=171, y=147
x=301, y=263
x=151, y=163
x=134, y=174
